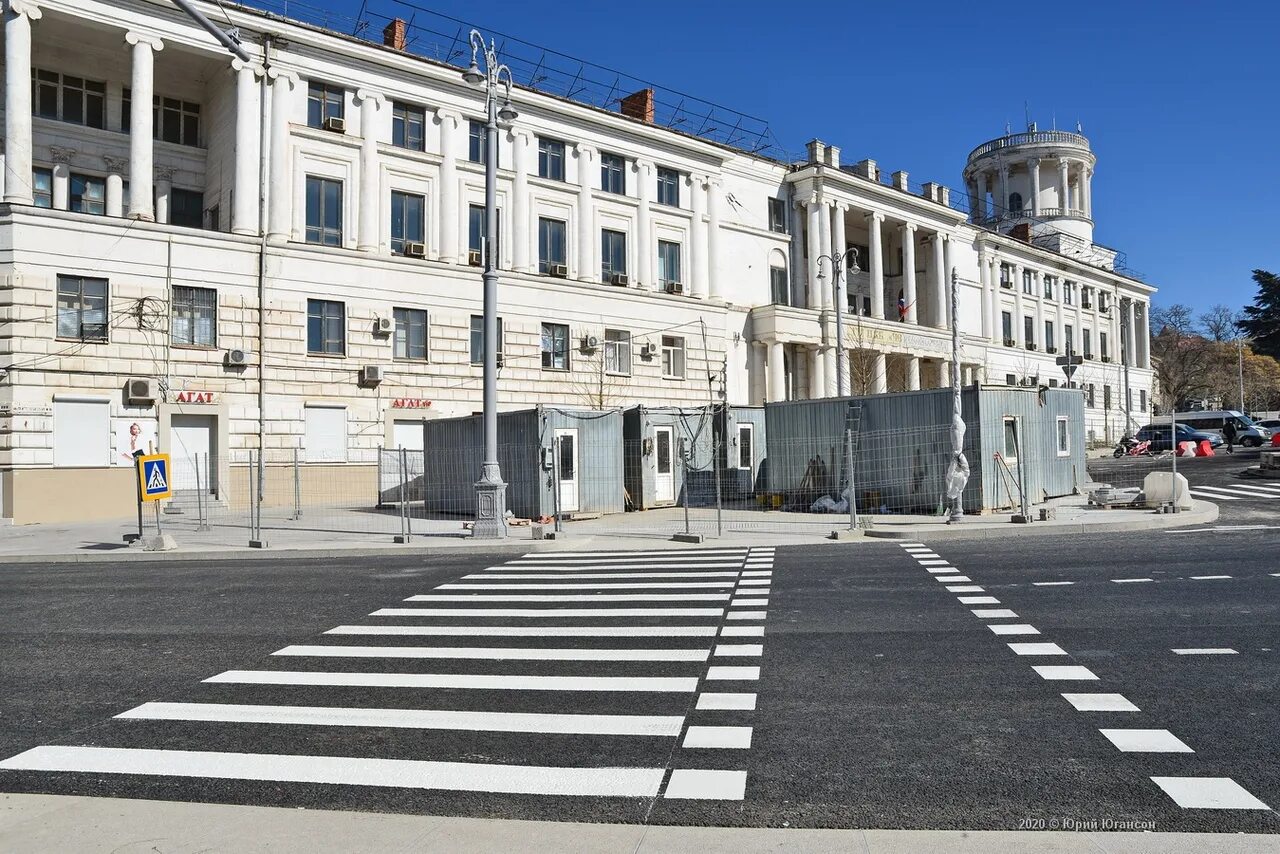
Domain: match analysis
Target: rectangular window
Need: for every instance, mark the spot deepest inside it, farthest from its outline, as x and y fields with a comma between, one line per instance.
x=324, y=211
x=326, y=327
x=82, y=308
x=1006, y=326
x=1029, y=332
x=408, y=221
x=668, y=187
x=69, y=99
x=1106, y=397
x=551, y=244
x=1049, y=344
x=1026, y=282
x=42, y=187
x=779, y=287
x=195, y=317
x=186, y=208
x=1064, y=437
x=477, y=340
x=81, y=433
x=1091, y=396
x=550, y=159
x=672, y=357
x=325, y=434
x=1086, y=297
x=477, y=133
x=88, y=194
x=777, y=215
x=1102, y=345
x=1068, y=293
x=617, y=351
x=1142, y=399
x=45, y=91
x=407, y=127
x=613, y=254
x=1086, y=338
x=613, y=174
x=1068, y=339
x=324, y=102
x=1010, y=438
x=669, y=265
x=1010, y=379
x=476, y=233
x=1102, y=301
x=1006, y=276
x=176, y=121
x=1128, y=400
x=1049, y=282
x=746, y=445
x=411, y=334
x=555, y=347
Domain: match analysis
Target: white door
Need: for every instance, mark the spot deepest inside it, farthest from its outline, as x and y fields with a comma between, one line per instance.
x=664, y=482
x=567, y=468
x=407, y=434
x=191, y=439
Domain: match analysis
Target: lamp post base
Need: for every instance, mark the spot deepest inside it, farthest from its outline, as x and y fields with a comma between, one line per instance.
x=491, y=502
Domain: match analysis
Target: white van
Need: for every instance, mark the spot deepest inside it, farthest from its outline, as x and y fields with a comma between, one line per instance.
x=1248, y=433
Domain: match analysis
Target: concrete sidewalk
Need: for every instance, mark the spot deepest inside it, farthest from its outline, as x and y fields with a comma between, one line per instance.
x=339, y=532
x=31, y=823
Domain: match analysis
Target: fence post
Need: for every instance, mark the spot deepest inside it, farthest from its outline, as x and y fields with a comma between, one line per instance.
x=202, y=521
x=853, y=501
x=718, y=450
x=555, y=480
x=684, y=483
x=1023, y=502
x=297, y=488
x=404, y=533
x=255, y=501
x=1173, y=440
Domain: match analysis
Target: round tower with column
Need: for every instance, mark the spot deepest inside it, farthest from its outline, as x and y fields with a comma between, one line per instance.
x=1041, y=178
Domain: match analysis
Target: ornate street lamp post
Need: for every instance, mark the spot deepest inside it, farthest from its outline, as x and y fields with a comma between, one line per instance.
x=837, y=261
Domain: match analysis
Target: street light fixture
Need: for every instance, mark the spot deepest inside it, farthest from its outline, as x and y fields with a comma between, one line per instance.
x=838, y=260
x=491, y=492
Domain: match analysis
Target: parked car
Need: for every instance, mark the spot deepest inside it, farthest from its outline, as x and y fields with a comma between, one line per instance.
x=1272, y=424
x=1158, y=436
x=1248, y=433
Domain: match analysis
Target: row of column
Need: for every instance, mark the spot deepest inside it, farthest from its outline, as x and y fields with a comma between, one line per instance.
x=1072, y=197
x=769, y=369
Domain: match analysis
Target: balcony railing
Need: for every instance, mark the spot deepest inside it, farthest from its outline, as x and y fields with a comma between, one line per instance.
x=1049, y=137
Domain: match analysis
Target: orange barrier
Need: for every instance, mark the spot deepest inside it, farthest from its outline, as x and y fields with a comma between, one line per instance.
x=1204, y=449
x=1275, y=440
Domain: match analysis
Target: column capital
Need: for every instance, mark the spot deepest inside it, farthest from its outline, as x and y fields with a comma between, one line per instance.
x=377, y=98
x=907, y=227
x=640, y=165
x=874, y=215
x=58, y=154
x=239, y=65
x=116, y=165
x=1033, y=162
x=136, y=38
x=27, y=8
x=277, y=74
x=584, y=150
x=452, y=117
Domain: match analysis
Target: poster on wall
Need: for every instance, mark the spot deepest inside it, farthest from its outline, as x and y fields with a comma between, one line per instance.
x=133, y=434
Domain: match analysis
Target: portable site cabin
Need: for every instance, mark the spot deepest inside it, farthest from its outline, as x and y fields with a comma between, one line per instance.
x=1015, y=438
x=652, y=441
x=589, y=465
x=742, y=434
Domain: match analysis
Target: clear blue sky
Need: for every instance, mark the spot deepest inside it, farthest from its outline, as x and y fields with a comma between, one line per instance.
x=1180, y=99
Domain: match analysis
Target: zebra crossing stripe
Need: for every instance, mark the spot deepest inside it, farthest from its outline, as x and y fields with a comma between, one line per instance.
x=549, y=613
x=637, y=555
x=344, y=770
x=1200, y=493
x=578, y=576
x=570, y=597
x=532, y=631
x=596, y=567
x=464, y=681
x=502, y=653
x=638, y=585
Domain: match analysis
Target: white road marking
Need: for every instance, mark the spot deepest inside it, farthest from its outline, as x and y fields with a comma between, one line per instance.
x=599, y=567
x=571, y=724
x=1145, y=741
x=1205, y=651
x=712, y=702
x=1064, y=672
x=739, y=649
x=1242, y=490
x=652, y=554
x=749, y=603
x=718, y=737
x=342, y=770
x=466, y=681
x=724, y=674
x=550, y=613
x=966, y=588
x=1129, y=580
x=1037, y=649
x=742, y=632
x=1100, y=703
x=1051, y=583
x=947, y=579
x=912, y=545
x=978, y=600
x=755, y=582
x=1208, y=793
x=704, y=785
x=578, y=576
x=942, y=570
x=1013, y=629
x=932, y=562
x=746, y=615
x=993, y=613
x=626, y=585
x=497, y=653
x=1208, y=577
x=1200, y=493
x=760, y=573
x=570, y=597
x=532, y=631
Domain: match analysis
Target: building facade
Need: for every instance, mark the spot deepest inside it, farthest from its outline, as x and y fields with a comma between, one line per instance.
x=207, y=256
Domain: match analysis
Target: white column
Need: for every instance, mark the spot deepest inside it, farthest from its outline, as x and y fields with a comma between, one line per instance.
x=1033, y=166
x=280, y=191
x=645, y=251
x=1018, y=324
x=17, y=100
x=141, y=126
x=1144, y=330
x=1131, y=333
x=876, y=265
x=825, y=251
x=993, y=308
x=817, y=373
x=777, y=390
x=814, y=234
x=759, y=373
x=799, y=269
x=981, y=209
x=523, y=233
x=947, y=265
x=369, y=217
x=698, y=237
x=1037, y=292
x=1086, y=189
x=984, y=279
x=908, y=231
x=1060, y=330
x=1002, y=181
x=830, y=372
x=838, y=247
x=1064, y=189
x=939, y=308
x=247, y=187
x=713, y=239
x=61, y=177
x=1079, y=326
x=913, y=373
x=879, y=373
x=164, y=192
x=588, y=269
x=116, y=167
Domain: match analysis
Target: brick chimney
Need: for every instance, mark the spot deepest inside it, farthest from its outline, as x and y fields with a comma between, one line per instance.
x=395, y=34
x=639, y=105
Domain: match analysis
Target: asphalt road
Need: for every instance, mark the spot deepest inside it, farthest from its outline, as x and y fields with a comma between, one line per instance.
x=882, y=700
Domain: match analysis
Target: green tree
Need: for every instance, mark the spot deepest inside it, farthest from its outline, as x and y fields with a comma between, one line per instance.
x=1261, y=320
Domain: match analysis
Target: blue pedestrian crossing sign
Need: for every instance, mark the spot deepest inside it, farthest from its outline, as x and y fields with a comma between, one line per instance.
x=153, y=477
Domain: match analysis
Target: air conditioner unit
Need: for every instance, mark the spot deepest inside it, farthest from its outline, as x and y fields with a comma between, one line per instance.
x=335, y=124
x=1051, y=349
x=473, y=257
x=235, y=358
x=619, y=279
x=371, y=375
x=648, y=350
x=560, y=271
x=1009, y=342
x=1106, y=358
x=1088, y=355
x=1007, y=285
x=415, y=250
x=1031, y=345
x=383, y=326
x=141, y=390
x=673, y=287
x=590, y=342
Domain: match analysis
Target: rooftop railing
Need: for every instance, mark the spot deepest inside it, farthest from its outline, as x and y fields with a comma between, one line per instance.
x=1051, y=137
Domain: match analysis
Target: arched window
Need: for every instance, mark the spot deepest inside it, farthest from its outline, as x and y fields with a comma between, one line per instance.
x=1015, y=203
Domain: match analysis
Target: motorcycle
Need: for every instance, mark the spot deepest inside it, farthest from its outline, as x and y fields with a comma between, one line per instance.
x=1131, y=447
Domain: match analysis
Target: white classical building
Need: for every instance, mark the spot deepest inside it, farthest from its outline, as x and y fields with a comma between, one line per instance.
x=206, y=256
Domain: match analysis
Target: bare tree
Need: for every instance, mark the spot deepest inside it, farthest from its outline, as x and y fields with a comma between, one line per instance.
x=1219, y=323
x=861, y=352
x=1182, y=358
x=595, y=386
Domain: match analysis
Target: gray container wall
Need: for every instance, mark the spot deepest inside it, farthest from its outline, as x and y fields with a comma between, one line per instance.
x=742, y=483
x=696, y=426
x=454, y=450
x=1048, y=473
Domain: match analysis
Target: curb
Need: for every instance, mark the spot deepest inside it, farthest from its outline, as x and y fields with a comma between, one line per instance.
x=1204, y=513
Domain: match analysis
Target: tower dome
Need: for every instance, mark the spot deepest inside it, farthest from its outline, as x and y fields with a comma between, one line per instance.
x=1040, y=178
